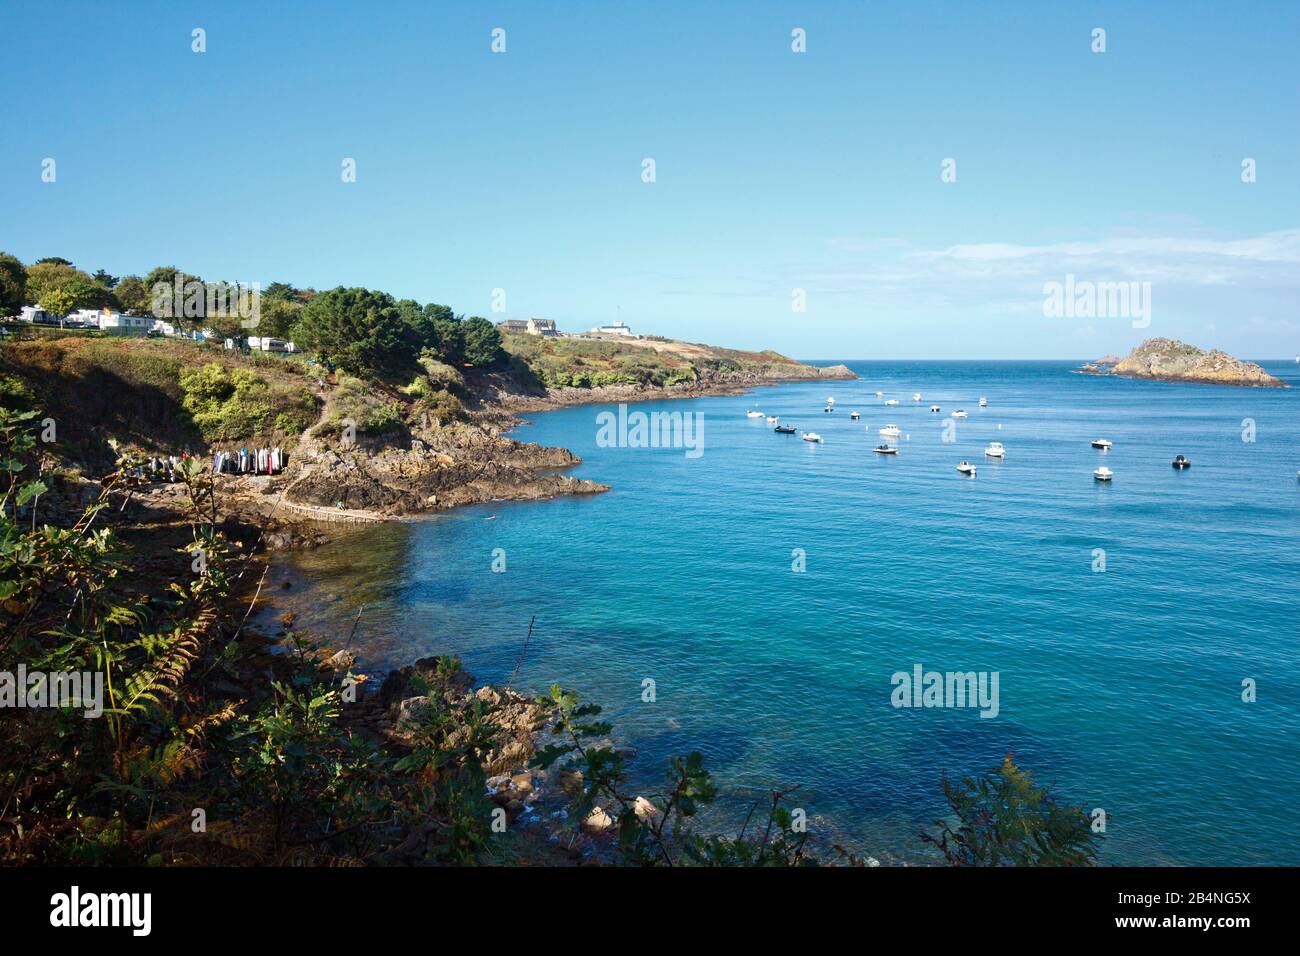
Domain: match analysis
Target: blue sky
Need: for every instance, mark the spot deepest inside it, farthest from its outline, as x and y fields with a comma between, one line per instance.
x=775, y=171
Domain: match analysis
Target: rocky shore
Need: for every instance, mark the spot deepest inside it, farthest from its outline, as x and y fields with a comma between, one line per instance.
x=462, y=463
x=510, y=396
x=1169, y=360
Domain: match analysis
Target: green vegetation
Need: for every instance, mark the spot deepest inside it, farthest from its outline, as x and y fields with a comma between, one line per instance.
x=236, y=404
x=585, y=363
x=1003, y=819
x=370, y=333
x=190, y=719
x=13, y=285
x=60, y=288
x=158, y=394
x=370, y=411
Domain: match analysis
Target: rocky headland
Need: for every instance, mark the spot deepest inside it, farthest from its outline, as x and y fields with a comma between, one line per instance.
x=1169, y=360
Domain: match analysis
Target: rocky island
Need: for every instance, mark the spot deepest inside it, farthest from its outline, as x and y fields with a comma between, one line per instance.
x=1169, y=360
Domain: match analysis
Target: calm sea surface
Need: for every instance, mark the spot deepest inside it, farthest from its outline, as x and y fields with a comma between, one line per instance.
x=1123, y=686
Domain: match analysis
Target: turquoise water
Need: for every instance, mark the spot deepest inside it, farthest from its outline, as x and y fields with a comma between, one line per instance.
x=1124, y=687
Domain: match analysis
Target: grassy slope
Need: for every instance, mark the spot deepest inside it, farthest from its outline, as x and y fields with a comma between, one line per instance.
x=130, y=389
x=584, y=362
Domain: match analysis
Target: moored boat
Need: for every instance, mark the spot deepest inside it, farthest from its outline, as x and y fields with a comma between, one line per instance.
x=784, y=429
x=966, y=468
x=854, y=416
x=995, y=450
x=1101, y=443
x=771, y=419
x=811, y=436
x=886, y=450
x=934, y=408
x=1180, y=462
x=961, y=413
x=1103, y=474
x=892, y=431
x=753, y=414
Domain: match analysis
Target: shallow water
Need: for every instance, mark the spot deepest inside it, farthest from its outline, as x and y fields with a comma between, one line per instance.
x=1124, y=687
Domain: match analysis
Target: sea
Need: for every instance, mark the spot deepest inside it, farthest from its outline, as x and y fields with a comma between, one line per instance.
x=760, y=598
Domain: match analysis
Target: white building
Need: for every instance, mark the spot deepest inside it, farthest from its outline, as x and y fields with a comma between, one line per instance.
x=88, y=317
x=121, y=322
x=265, y=343
x=618, y=328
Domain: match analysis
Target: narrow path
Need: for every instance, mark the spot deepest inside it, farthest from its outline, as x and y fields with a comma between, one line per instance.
x=334, y=514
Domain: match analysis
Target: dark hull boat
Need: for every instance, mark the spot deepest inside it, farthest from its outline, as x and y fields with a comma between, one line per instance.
x=1180, y=463
x=886, y=450
x=784, y=429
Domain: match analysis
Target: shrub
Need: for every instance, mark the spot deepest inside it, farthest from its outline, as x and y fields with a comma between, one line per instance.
x=236, y=405
x=1003, y=819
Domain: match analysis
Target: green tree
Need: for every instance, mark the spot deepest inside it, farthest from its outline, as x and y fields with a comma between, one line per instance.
x=1003, y=819
x=132, y=295
x=75, y=289
x=161, y=284
x=57, y=302
x=13, y=284
x=279, y=290
x=358, y=330
x=279, y=315
x=482, y=341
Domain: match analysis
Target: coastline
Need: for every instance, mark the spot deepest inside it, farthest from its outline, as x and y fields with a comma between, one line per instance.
x=478, y=462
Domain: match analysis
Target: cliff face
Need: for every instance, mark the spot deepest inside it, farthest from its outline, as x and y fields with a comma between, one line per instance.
x=1168, y=360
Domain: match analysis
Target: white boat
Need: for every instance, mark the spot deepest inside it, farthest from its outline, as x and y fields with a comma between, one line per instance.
x=753, y=414
x=886, y=449
x=1103, y=474
x=966, y=468
x=890, y=431
x=960, y=413
x=878, y=394
x=995, y=450
x=891, y=401
x=984, y=402
x=830, y=401
x=1101, y=443
x=916, y=396
x=771, y=419
x=854, y=415
x=811, y=436
x=934, y=408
